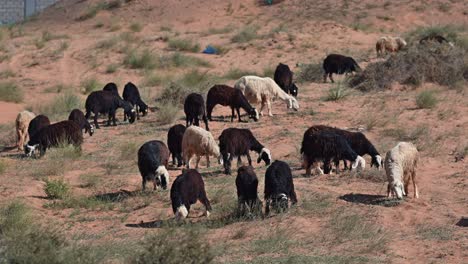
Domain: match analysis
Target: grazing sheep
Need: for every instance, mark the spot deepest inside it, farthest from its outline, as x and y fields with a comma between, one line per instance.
x=357, y=140
x=185, y=191
x=236, y=142
x=327, y=146
x=284, y=78
x=22, y=123
x=339, y=64
x=435, y=38
x=199, y=142
x=64, y=132
x=264, y=90
x=112, y=87
x=228, y=96
x=390, y=44
x=78, y=116
x=174, y=142
x=37, y=123
x=400, y=165
x=152, y=163
x=194, y=108
x=247, y=196
x=279, y=187
x=132, y=95
x=106, y=102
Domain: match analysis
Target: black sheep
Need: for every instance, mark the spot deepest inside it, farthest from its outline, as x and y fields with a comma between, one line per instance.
x=228, y=96
x=327, y=146
x=279, y=187
x=132, y=95
x=339, y=64
x=153, y=157
x=247, y=196
x=237, y=142
x=174, y=142
x=112, y=87
x=194, y=108
x=435, y=38
x=106, y=102
x=37, y=123
x=284, y=78
x=185, y=191
x=78, y=116
x=65, y=132
x=357, y=140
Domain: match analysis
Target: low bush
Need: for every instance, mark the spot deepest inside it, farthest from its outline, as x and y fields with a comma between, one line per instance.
x=310, y=73
x=426, y=100
x=183, y=45
x=90, y=85
x=246, y=34
x=9, y=92
x=60, y=107
x=56, y=189
x=337, y=92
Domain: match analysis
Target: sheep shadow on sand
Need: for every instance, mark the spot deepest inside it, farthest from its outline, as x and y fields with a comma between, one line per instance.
x=119, y=196
x=370, y=199
x=151, y=224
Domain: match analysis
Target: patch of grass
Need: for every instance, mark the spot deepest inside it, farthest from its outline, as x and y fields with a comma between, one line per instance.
x=277, y=241
x=426, y=100
x=91, y=203
x=56, y=189
x=91, y=11
x=435, y=232
x=9, y=92
x=107, y=43
x=183, y=45
x=246, y=34
x=312, y=72
x=337, y=92
x=236, y=73
x=89, y=180
x=268, y=71
x=152, y=79
x=305, y=259
x=3, y=166
x=144, y=59
x=316, y=204
x=58, y=88
x=7, y=135
x=136, y=27
x=168, y=113
x=444, y=7
x=452, y=32
x=90, y=85
x=193, y=81
x=111, y=68
x=178, y=59
x=60, y=106
x=220, y=50
x=223, y=30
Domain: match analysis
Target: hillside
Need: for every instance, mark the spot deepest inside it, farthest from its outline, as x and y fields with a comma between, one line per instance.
x=50, y=63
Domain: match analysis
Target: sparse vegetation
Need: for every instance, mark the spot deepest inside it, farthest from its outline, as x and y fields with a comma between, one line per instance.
x=56, y=189
x=246, y=34
x=337, y=92
x=136, y=27
x=310, y=73
x=90, y=85
x=111, y=68
x=9, y=92
x=3, y=166
x=426, y=100
x=183, y=45
x=435, y=233
x=144, y=59
x=236, y=73
x=60, y=106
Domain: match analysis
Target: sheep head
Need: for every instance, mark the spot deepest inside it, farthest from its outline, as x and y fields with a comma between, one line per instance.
x=294, y=89
x=397, y=189
x=280, y=202
x=162, y=177
x=292, y=103
x=181, y=212
x=377, y=161
x=254, y=114
x=264, y=155
x=30, y=150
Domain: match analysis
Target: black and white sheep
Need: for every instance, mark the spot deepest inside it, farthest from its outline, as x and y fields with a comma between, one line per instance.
x=357, y=140
x=174, y=142
x=279, y=187
x=78, y=116
x=400, y=166
x=37, y=123
x=132, y=95
x=106, y=102
x=327, y=146
x=339, y=64
x=64, y=132
x=112, y=87
x=194, y=108
x=228, y=96
x=284, y=78
x=153, y=157
x=237, y=142
x=185, y=191
x=247, y=196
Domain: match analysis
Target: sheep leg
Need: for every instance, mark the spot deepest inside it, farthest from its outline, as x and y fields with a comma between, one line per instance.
x=173, y=159
x=267, y=207
x=209, y=109
x=337, y=166
x=143, y=184
x=197, y=161
x=261, y=107
x=249, y=159
x=269, y=108
x=325, y=77
x=293, y=197
x=206, y=122
x=197, y=121
x=186, y=121
x=227, y=159
x=232, y=115
x=331, y=77
x=155, y=185
x=389, y=190
x=406, y=184
x=238, y=114
x=204, y=200
x=239, y=161
x=137, y=112
x=207, y=161
x=187, y=157
x=19, y=139
x=413, y=177
x=95, y=120
x=240, y=206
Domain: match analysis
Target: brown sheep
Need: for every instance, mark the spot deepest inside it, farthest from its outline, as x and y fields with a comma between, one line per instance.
x=22, y=124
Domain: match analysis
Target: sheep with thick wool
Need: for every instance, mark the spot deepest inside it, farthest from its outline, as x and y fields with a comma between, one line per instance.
x=22, y=123
x=199, y=142
x=400, y=165
x=390, y=44
x=264, y=90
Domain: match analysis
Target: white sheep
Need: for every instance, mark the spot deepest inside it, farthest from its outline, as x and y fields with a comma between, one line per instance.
x=400, y=166
x=22, y=122
x=199, y=142
x=391, y=44
x=264, y=90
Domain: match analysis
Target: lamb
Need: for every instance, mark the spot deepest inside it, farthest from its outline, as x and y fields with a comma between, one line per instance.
x=228, y=96
x=199, y=142
x=284, y=78
x=357, y=140
x=247, y=196
x=400, y=166
x=236, y=142
x=390, y=44
x=185, y=191
x=78, y=116
x=37, y=123
x=64, y=132
x=194, y=108
x=264, y=90
x=106, y=102
x=174, y=141
x=22, y=122
x=279, y=187
x=132, y=95
x=112, y=87
x=339, y=64
x=153, y=157
x=327, y=146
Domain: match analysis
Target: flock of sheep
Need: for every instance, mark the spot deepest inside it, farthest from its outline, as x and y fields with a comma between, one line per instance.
x=320, y=144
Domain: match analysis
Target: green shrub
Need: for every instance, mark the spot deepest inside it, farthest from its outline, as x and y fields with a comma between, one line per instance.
x=145, y=59
x=60, y=106
x=56, y=189
x=310, y=73
x=183, y=45
x=338, y=92
x=90, y=85
x=111, y=68
x=426, y=100
x=136, y=27
x=246, y=34
x=236, y=73
x=9, y=92
x=168, y=113
x=152, y=79
x=7, y=74
x=3, y=166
